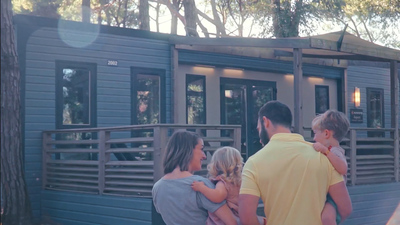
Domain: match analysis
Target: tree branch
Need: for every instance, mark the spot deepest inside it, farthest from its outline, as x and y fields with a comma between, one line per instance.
x=366, y=29
x=172, y=9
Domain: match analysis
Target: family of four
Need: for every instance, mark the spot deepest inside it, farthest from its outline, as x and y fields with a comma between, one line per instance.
x=298, y=182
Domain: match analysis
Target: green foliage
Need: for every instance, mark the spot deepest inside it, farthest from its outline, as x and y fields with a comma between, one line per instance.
x=373, y=20
x=46, y=8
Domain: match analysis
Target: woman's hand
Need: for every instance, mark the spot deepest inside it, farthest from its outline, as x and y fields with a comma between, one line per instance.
x=197, y=185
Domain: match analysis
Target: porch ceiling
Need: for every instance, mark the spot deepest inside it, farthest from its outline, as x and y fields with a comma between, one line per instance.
x=319, y=46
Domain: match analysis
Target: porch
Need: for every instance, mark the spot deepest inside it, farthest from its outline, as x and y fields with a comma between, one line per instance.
x=124, y=162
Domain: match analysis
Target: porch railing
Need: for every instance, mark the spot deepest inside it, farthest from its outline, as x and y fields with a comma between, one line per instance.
x=119, y=160
x=128, y=160
x=372, y=155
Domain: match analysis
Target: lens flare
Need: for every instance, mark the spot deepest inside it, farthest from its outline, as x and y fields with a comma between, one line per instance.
x=77, y=35
x=395, y=219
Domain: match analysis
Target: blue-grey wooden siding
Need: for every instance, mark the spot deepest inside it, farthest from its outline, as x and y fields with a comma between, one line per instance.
x=69, y=208
x=365, y=77
x=373, y=204
x=43, y=48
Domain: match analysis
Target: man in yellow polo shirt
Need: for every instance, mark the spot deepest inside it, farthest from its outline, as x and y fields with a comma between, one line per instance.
x=290, y=177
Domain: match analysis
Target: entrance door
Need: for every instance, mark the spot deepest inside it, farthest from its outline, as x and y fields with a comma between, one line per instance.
x=240, y=102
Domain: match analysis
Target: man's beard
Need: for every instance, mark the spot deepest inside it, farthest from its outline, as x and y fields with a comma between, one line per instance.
x=264, y=138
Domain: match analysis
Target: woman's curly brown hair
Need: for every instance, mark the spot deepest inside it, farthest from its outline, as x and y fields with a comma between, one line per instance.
x=227, y=163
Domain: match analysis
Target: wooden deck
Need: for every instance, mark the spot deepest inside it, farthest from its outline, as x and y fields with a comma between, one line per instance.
x=373, y=204
x=126, y=161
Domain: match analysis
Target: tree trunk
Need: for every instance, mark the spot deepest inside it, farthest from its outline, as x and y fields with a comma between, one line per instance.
x=144, y=18
x=218, y=24
x=190, y=17
x=14, y=194
x=276, y=18
x=86, y=11
x=158, y=17
x=174, y=18
x=125, y=14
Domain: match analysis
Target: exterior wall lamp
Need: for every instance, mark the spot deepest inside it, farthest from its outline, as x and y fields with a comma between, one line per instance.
x=357, y=97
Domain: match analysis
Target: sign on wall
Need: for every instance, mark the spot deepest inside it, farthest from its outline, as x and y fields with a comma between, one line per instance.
x=112, y=63
x=356, y=115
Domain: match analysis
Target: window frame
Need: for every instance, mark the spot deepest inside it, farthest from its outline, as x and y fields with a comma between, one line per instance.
x=326, y=87
x=92, y=67
x=135, y=71
x=382, y=92
x=203, y=78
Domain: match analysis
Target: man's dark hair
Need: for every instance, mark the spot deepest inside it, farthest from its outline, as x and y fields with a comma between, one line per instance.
x=277, y=112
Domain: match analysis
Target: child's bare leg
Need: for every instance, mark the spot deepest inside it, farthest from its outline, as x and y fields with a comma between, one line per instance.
x=328, y=214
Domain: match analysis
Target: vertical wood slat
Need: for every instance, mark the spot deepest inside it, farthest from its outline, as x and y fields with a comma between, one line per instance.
x=102, y=151
x=160, y=141
x=237, y=138
x=45, y=157
x=394, y=106
x=298, y=90
x=345, y=93
x=174, y=83
x=353, y=155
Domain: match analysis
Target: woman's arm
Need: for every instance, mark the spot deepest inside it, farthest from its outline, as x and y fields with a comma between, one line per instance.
x=339, y=165
x=216, y=195
x=226, y=215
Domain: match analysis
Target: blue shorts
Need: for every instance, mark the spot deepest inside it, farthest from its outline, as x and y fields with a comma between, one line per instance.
x=330, y=201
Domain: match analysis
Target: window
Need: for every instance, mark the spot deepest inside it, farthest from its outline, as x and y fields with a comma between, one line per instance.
x=148, y=96
x=321, y=99
x=76, y=106
x=375, y=111
x=241, y=99
x=76, y=94
x=195, y=99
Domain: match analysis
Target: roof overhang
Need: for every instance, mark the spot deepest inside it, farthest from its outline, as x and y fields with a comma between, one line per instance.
x=336, y=45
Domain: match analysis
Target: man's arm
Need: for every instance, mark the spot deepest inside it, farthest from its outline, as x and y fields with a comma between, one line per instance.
x=226, y=215
x=341, y=197
x=248, y=209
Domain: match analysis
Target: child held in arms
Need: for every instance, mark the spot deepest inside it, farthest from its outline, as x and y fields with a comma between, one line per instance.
x=329, y=129
x=225, y=169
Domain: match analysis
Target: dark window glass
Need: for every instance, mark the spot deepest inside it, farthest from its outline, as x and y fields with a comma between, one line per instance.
x=240, y=102
x=195, y=99
x=375, y=114
x=76, y=106
x=147, y=99
x=321, y=99
x=76, y=96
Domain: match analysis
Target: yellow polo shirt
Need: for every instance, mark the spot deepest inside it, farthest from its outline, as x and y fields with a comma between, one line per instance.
x=291, y=178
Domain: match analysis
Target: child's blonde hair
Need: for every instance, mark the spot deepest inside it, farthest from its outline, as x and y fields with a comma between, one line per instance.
x=227, y=163
x=332, y=120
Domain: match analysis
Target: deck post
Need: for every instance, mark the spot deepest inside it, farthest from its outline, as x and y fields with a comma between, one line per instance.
x=102, y=164
x=45, y=157
x=160, y=141
x=394, y=99
x=298, y=90
x=353, y=156
x=237, y=139
x=174, y=82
